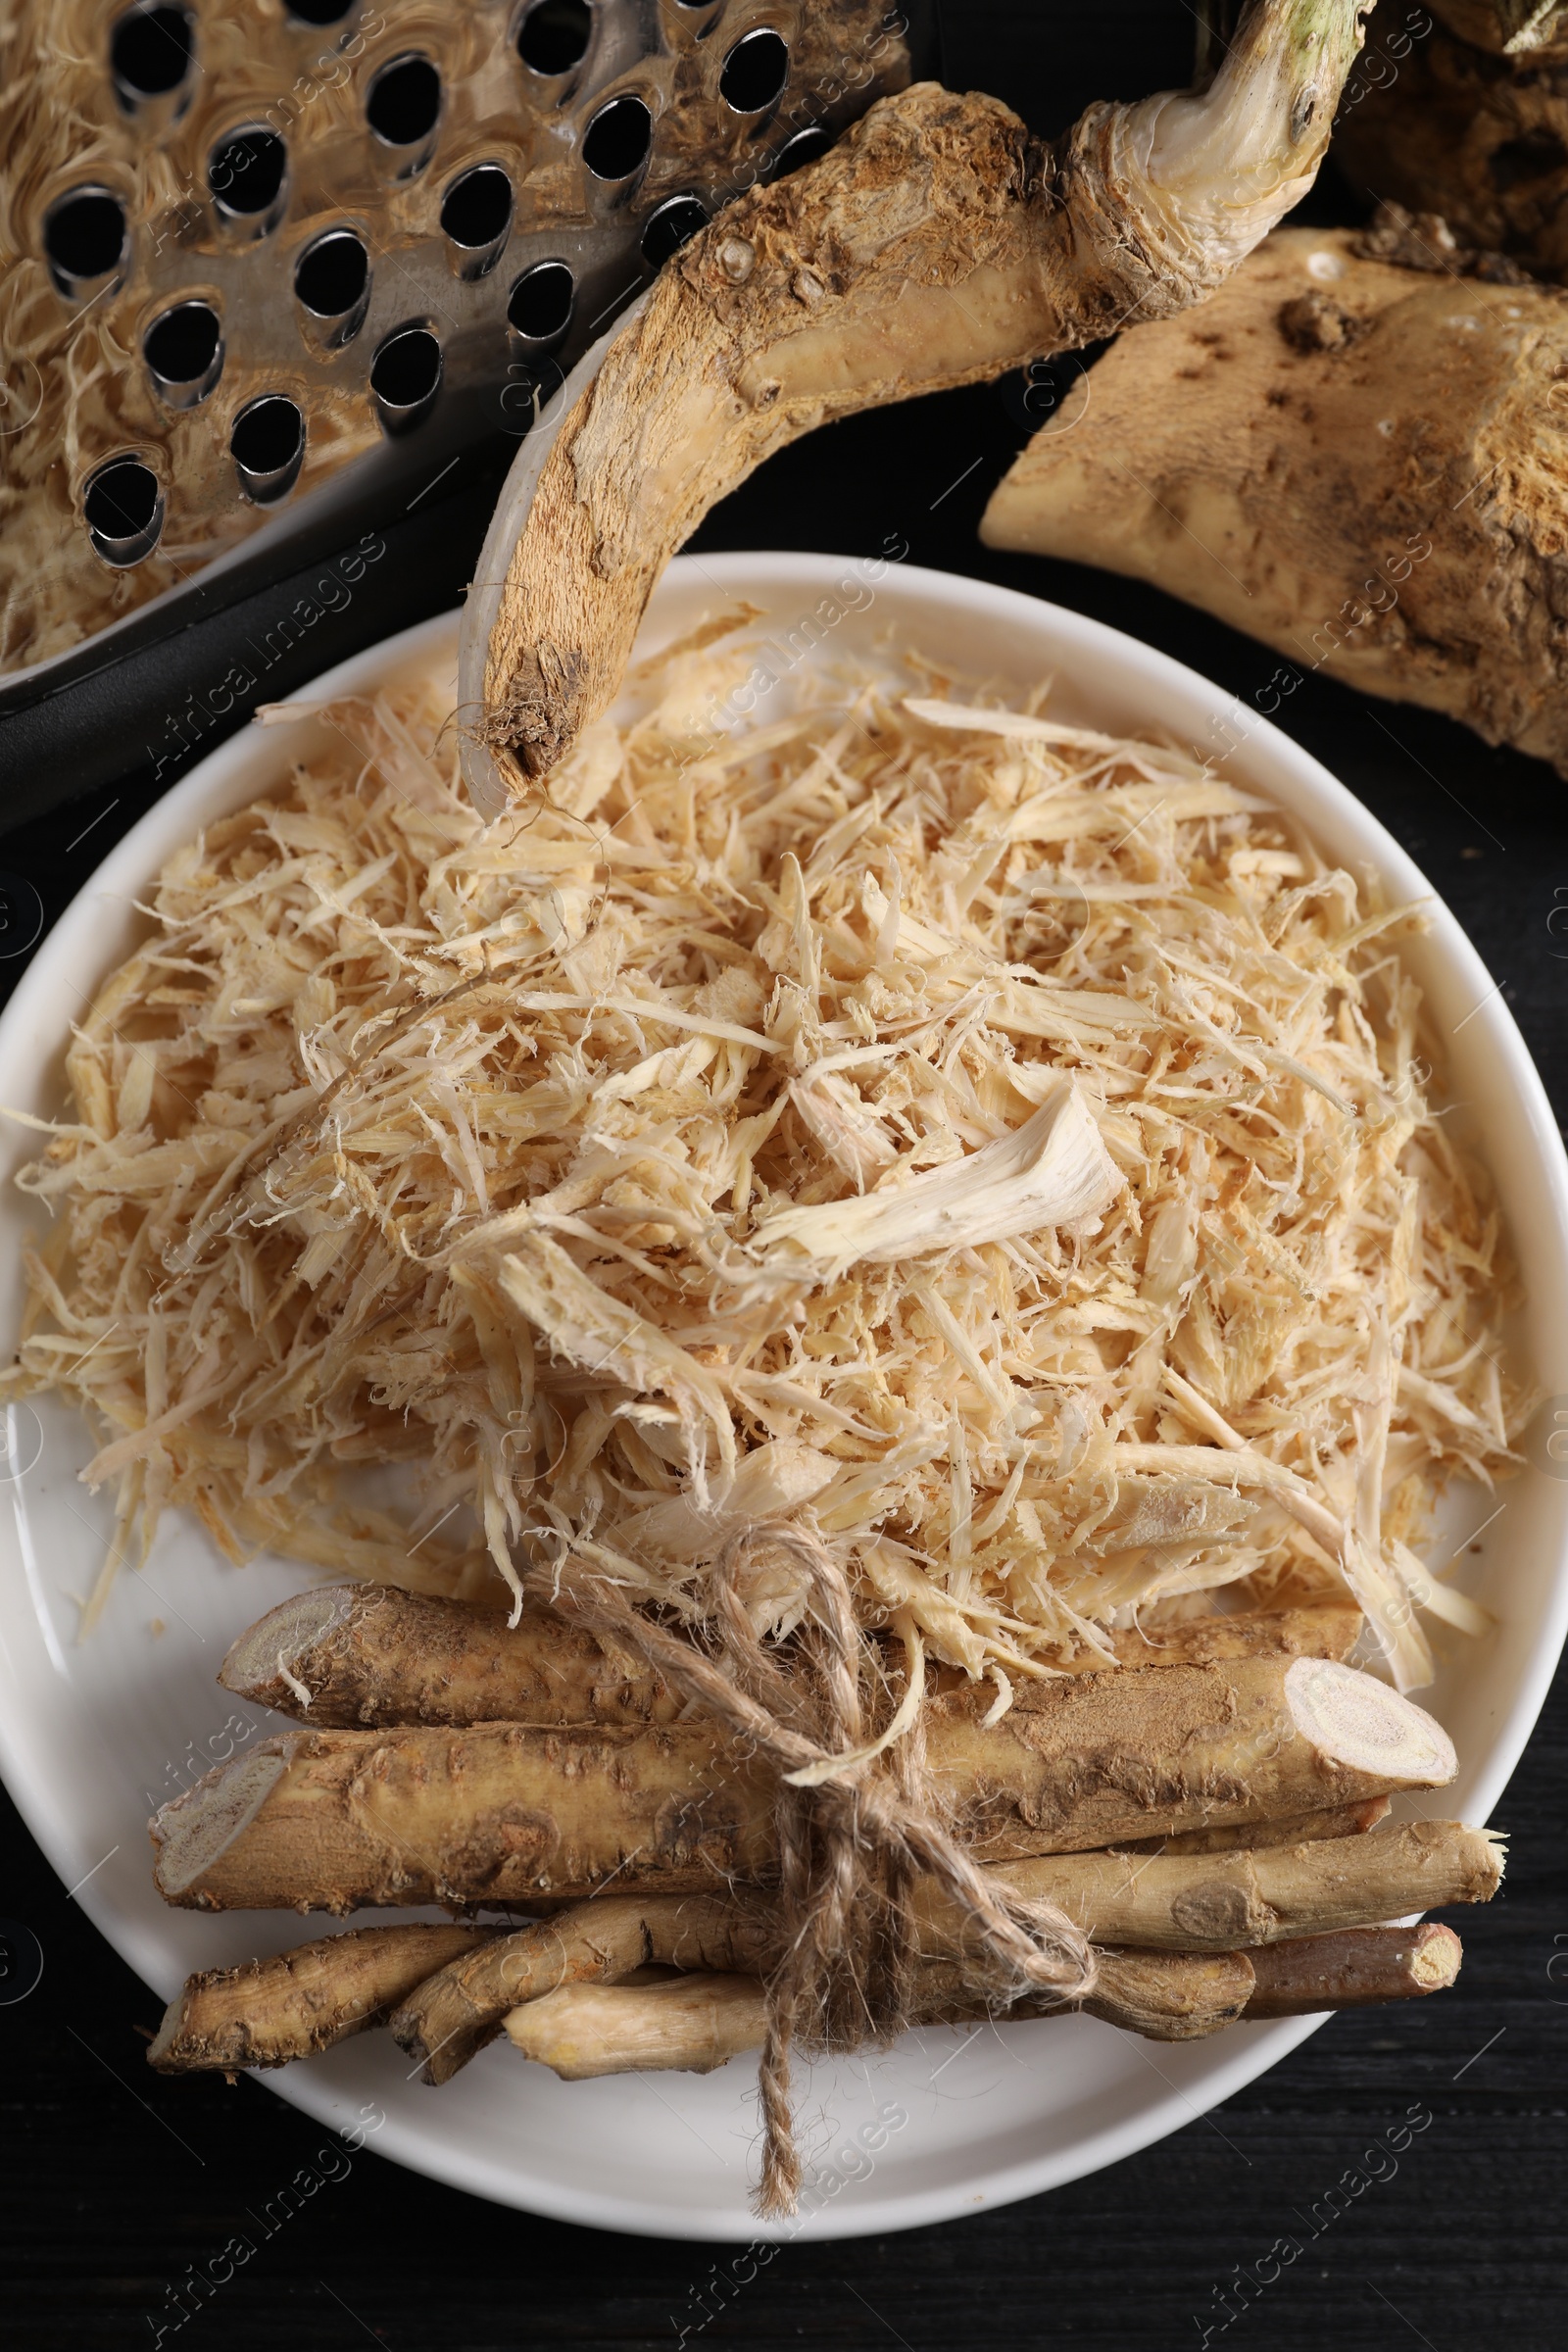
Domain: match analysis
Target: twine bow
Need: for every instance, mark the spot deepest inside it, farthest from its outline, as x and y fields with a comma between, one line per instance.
x=857, y=1823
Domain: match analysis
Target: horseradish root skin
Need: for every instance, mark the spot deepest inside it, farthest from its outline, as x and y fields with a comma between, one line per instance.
x=505, y=1812
x=1363, y=469
x=695, y=2023
x=938, y=244
x=1216, y=1902
x=266, y=2012
x=1355, y=1969
x=461, y=2007
x=345, y=1655
x=1290, y=1829
x=1099, y=1758
x=330, y=1821
x=349, y=1654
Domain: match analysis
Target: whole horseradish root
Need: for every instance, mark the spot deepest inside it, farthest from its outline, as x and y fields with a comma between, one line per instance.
x=939, y=244
x=513, y=1813
x=349, y=1654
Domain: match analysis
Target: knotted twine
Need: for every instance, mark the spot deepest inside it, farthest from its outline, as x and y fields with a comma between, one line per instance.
x=854, y=1830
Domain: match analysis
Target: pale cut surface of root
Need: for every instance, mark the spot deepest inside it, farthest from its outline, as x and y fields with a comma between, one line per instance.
x=268, y=2012
x=1369, y=1728
x=939, y=244
x=506, y=1812
x=348, y=1654
x=230, y=1802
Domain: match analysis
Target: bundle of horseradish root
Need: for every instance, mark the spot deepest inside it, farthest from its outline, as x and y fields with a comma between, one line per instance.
x=1172, y=1843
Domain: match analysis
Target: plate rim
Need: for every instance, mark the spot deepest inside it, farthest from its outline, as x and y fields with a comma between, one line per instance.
x=175, y=816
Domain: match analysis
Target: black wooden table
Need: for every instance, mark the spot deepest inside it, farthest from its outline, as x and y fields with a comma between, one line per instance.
x=1413, y=2160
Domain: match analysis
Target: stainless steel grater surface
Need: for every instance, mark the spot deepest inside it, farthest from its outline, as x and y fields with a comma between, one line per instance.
x=261, y=263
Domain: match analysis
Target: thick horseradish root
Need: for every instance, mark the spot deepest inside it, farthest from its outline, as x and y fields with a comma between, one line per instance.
x=1358, y=463
x=510, y=1813
x=349, y=1654
x=938, y=244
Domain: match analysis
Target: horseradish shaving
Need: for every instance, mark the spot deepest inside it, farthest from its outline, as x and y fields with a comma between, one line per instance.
x=1000, y=1146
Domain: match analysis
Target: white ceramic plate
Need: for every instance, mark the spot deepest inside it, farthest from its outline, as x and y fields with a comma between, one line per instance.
x=93, y=1737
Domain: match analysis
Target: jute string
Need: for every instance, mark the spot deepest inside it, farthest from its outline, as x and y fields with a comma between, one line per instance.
x=851, y=1844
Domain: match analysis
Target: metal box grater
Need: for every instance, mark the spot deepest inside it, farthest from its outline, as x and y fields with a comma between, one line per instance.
x=270, y=266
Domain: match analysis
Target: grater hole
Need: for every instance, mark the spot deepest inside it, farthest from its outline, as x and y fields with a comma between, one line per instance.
x=404, y=102
x=150, y=51
x=268, y=447
x=246, y=172
x=330, y=276
x=618, y=138
x=756, y=72
x=406, y=371
x=124, y=511
x=803, y=148
x=85, y=235
x=181, y=346
x=541, y=301
x=670, y=227
x=554, y=36
x=478, y=207
x=318, y=11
